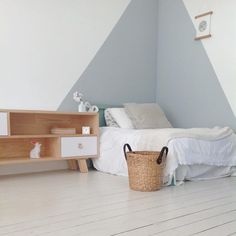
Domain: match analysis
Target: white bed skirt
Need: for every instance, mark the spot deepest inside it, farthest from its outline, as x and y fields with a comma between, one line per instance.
x=203, y=172
x=112, y=159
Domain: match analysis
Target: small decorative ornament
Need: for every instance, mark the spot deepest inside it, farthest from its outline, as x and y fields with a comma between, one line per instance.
x=78, y=97
x=85, y=130
x=203, y=25
x=91, y=108
x=81, y=107
x=35, y=152
x=84, y=106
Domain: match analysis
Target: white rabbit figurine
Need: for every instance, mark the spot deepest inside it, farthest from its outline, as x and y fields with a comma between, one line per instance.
x=35, y=152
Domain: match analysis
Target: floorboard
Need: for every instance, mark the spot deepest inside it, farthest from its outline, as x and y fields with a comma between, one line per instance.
x=68, y=203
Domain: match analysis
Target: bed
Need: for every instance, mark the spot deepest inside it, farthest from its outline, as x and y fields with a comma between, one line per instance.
x=194, y=154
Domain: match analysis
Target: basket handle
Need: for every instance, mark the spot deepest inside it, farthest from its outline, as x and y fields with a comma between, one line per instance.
x=124, y=149
x=163, y=150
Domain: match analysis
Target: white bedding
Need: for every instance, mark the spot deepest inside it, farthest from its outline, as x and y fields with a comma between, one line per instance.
x=193, y=153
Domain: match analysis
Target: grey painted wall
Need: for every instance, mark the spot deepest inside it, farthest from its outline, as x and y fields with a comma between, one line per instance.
x=124, y=69
x=187, y=86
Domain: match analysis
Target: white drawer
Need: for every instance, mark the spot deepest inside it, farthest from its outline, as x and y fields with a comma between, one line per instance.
x=78, y=146
x=3, y=123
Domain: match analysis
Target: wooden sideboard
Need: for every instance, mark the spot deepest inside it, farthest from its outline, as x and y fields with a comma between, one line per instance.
x=18, y=128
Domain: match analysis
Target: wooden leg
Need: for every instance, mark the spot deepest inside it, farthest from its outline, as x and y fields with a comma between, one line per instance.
x=72, y=164
x=83, y=166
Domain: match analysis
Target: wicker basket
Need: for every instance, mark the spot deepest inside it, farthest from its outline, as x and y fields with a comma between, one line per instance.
x=145, y=168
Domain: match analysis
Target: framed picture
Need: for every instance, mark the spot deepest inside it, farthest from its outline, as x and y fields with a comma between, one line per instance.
x=203, y=25
x=85, y=130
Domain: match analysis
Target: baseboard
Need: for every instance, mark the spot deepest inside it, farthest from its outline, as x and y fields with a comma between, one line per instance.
x=32, y=167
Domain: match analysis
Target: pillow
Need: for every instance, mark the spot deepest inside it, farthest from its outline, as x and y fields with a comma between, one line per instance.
x=120, y=118
x=110, y=122
x=146, y=116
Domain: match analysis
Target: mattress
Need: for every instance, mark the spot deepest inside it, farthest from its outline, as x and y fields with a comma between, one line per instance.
x=202, y=153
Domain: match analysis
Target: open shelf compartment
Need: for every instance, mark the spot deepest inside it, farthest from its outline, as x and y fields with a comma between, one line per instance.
x=18, y=150
x=42, y=123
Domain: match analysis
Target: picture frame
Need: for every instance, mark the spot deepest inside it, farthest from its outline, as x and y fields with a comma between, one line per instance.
x=203, y=25
x=85, y=130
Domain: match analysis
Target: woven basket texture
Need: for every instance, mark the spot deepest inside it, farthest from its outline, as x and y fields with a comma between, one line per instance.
x=144, y=173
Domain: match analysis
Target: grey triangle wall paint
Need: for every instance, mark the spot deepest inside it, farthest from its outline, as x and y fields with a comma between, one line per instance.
x=187, y=86
x=124, y=69
x=151, y=56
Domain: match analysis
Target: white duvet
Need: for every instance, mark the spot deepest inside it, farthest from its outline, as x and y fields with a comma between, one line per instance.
x=187, y=147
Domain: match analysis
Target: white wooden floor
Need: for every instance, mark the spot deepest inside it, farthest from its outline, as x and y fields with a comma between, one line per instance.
x=69, y=203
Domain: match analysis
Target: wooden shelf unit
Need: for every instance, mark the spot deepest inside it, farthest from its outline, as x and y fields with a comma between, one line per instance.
x=19, y=128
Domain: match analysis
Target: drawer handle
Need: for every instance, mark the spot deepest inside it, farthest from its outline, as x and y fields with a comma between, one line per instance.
x=80, y=146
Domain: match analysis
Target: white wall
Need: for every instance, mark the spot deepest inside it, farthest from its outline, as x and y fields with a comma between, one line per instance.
x=221, y=48
x=45, y=45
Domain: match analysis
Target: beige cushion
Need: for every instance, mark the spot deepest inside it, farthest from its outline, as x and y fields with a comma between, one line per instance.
x=147, y=116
